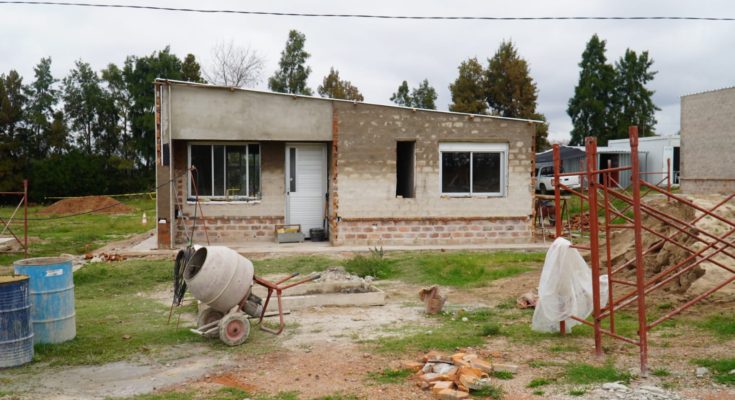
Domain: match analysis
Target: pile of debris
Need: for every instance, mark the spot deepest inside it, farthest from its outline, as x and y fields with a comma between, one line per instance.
x=349, y=283
x=87, y=204
x=454, y=377
x=104, y=257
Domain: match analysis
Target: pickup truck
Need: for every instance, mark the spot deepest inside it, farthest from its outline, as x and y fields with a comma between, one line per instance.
x=545, y=180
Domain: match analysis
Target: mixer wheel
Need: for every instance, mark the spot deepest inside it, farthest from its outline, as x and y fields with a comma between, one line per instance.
x=207, y=316
x=234, y=329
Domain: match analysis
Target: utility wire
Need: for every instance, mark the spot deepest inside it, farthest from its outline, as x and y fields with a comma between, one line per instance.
x=370, y=16
x=56, y=217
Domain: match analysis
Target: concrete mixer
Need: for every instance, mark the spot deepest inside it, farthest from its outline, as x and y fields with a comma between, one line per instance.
x=222, y=280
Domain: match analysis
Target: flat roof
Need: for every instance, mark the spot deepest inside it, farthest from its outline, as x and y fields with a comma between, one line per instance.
x=232, y=88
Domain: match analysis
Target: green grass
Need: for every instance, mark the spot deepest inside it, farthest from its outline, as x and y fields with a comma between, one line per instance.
x=502, y=375
x=721, y=325
x=582, y=374
x=661, y=372
x=494, y=392
x=720, y=369
x=463, y=269
x=449, y=333
x=538, y=382
x=117, y=321
x=390, y=376
x=300, y=264
x=577, y=392
x=79, y=234
x=538, y=393
x=375, y=265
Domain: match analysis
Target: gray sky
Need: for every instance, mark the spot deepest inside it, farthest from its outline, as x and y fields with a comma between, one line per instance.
x=376, y=55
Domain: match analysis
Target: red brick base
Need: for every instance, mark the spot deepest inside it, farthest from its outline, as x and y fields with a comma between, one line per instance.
x=434, y=231
x=229, y=229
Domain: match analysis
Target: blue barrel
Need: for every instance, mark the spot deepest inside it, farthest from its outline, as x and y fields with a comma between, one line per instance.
x=52, y=298
x=16, y=335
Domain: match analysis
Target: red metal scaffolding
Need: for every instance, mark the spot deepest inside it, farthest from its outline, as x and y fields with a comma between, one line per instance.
x=5, y=224
x=602, y=189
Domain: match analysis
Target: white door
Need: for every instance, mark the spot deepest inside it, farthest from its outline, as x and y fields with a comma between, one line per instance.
x=668, y=156
x=306, y=185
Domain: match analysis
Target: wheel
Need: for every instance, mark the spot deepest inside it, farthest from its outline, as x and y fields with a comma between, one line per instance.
x=542, y=189
x=207, y=316
x=234, y=329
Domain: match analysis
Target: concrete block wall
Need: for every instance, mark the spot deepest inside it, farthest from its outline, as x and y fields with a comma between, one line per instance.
x=708, y=142
x=231, y=222
x=435, y=231
x=365, y=180
x=229, y=229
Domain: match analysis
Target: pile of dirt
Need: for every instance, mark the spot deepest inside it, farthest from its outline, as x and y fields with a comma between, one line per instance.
x=664, y=254
x=95, y=204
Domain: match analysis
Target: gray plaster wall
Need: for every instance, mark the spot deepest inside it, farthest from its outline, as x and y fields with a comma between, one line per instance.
x=215, y=113
x=272, y=202
x=708, y=142
x=366, y=162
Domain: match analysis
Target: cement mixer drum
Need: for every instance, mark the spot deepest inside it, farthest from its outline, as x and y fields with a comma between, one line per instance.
x=219, y=277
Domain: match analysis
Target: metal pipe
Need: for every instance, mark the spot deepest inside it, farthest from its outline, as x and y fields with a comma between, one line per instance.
x=606, y=200
x=25, y=216
x=591, y=145
x=691, y=302
x=640, y=268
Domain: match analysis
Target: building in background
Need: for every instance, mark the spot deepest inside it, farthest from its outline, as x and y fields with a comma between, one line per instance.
x=708, y=142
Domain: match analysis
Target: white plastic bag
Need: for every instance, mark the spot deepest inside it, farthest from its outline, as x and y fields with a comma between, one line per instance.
x=565, y=289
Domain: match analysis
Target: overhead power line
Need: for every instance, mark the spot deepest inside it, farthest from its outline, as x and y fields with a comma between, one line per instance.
x=370, y=16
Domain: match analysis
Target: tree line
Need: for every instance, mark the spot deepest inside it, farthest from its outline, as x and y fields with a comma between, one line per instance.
x=93, y=132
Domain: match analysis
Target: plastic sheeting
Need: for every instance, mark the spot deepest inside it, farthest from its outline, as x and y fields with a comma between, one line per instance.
x=565, y=289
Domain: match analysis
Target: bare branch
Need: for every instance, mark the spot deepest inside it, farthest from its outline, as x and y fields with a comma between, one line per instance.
x=234, y=66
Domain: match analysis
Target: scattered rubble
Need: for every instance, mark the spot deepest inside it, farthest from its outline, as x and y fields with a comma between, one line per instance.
x=528, y=299
x=104, y=257
x=454, y=377
x=349, y=283
x=433, y=300
x=619, y=391
x=701, y=372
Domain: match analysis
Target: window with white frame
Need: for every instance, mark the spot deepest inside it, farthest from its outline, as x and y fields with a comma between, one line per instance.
x=225, y=172
x=473, y=168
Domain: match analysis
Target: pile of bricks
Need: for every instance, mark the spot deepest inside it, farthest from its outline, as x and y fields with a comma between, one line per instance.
x=454, y=377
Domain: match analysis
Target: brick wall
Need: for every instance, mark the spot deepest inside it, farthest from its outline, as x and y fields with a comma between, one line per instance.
x=432, y=231
x=230, y=229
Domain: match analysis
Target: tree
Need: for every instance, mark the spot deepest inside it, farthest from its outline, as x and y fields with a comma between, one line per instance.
x=468, y=90
x=42, y=97
x=57, y=135
x=634, y=100
x=82, y=97
x=402, y=97
x=122, y=101
x=511, y=92
x=12, y=112
x=234, y=66
x=423, y=96
x=592, y=108
x=335, y=88
x=292, y=74
x=191, y=70
x=139, y=73
x=510, y=89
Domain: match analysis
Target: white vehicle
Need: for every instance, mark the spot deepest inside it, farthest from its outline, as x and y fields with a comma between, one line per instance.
x=545, y=180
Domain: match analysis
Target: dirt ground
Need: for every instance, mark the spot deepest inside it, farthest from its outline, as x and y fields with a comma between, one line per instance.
x=96, y=204
x=321, y=354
